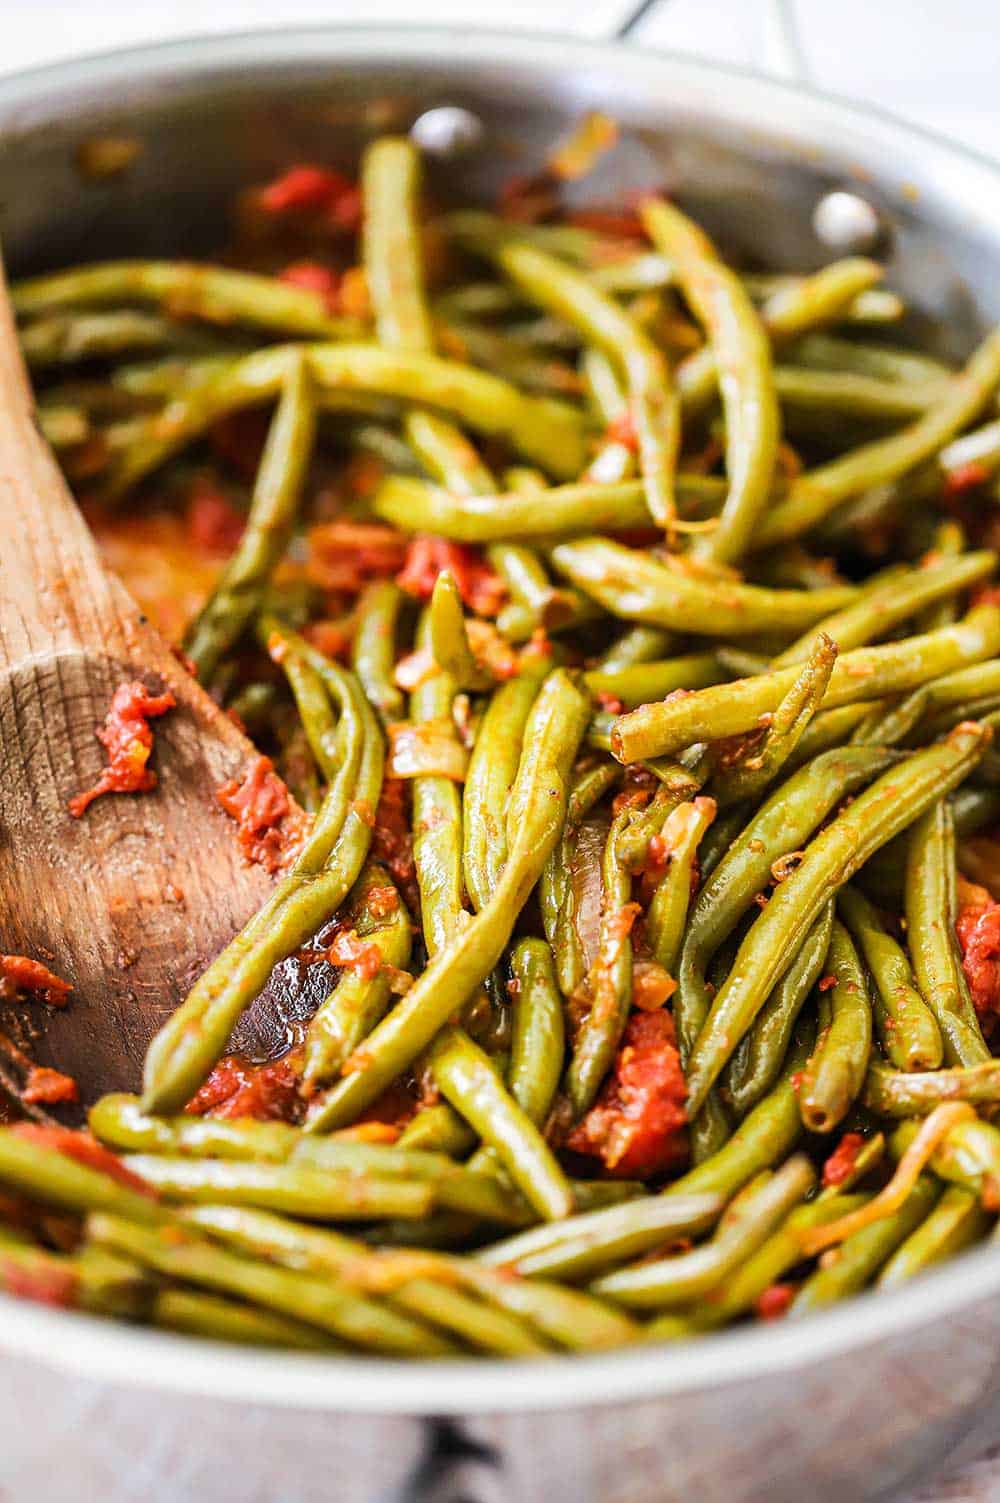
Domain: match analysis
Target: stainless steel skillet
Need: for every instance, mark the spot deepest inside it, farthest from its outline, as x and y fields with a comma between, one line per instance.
x=844, y=1406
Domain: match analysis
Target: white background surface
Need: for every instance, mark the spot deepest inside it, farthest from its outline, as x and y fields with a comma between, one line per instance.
x=935, y=61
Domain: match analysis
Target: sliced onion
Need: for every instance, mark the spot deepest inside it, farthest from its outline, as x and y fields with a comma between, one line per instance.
x=428, y=749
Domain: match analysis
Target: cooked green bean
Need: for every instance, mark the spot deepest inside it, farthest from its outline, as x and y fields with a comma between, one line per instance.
x=757, y=1063
x=373, y=655
x=634, y=587
x=538, y=1032
x=832, y=1080
x=583, y=1245
x=653, y=407
x=866, y=673
x=900, y=1093
x=277, y=493
x=668, y=907
x=815, y=494
x=225, y=1320
x=891, y=804
x=930, y=936
x=906, y=1026
x=747, y=1223
x=537, y=809
x=955, y=1222
x=743, y=359
x=861, y=1256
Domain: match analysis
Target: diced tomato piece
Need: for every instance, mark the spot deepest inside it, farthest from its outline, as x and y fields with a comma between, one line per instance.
x=259, y=803
x=651, y=985
x=85, y=1149
x=382, y=901
x=46, y=1283
x=840, y=1165
x=309, y=189
x=774, y=1302
x=353, y=953
x=239, y=1088
x=312, y=276
x=47, y=1087
x=966, y=477
x=344, y=555
x=481, y=589
x=20, y=974
x=637, y=1125
x=128, y=740
x=621, y=430
x=978, y=929
x=213, y=522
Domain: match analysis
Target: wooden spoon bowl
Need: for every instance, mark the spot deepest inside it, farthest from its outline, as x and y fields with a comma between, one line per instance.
x=131, y=900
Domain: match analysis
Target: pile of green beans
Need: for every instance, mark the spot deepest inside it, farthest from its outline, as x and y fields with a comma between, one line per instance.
x=634, y=807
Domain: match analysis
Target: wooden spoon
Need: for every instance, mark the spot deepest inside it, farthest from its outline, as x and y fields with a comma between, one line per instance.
x=130, y=901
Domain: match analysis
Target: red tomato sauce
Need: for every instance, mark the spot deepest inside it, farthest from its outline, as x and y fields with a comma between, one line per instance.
x=978, y=930
x=481, y=589
x=840, y=1165
x=239, y=1088
x=127, y=738
x=259, y=803
x=47, y=1087
x=637, y=1126
x=19, y=974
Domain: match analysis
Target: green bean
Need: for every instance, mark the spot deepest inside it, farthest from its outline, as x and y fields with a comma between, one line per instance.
x=748, y=778
x=467, y=517
x=782, y=1251
x=851, y=394
x=954, y=1223
x=319, y=1195
x=449, y=639
x=31, y=1167
x=906, y=1026
x=180, y=1253
x=763, y=1138
x=583, y=1245
x=638, y=683
x=637, y=644
x=890, y=722
x=885, y=362
x=930, y=935
x=218, y=1319
x=438, y=1129
x=786, y=821
x=667, y=912
x=184, y=289
x=898, y=599
x=537, y=1042
x=815, y=494
x=91, y=1279
x=277, y=494
x=537, y=810
x=602, y=322
x=866, y=673
x=895, y=801
x=898, y=1093
x=860, y=1257
x=826, y=730
x=490, y=777
x=754, y=1214
x=969, y=1156
x=757, y=1063
x=743, y=357
x=373, y=654
x=481, y=232
x=464, y=1075
x=327, y=866
x=547, y=432
x=359, y=1001
x=804, y=303
x=63, y=339
x=571, y=1318
x=835, y=1074
x=634, y=587
x=609, y=982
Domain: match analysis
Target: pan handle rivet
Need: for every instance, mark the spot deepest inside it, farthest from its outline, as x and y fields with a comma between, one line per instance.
x=447, y=131
x=846, y=222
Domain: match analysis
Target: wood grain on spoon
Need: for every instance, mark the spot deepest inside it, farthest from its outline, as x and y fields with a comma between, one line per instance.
x=129, y=902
